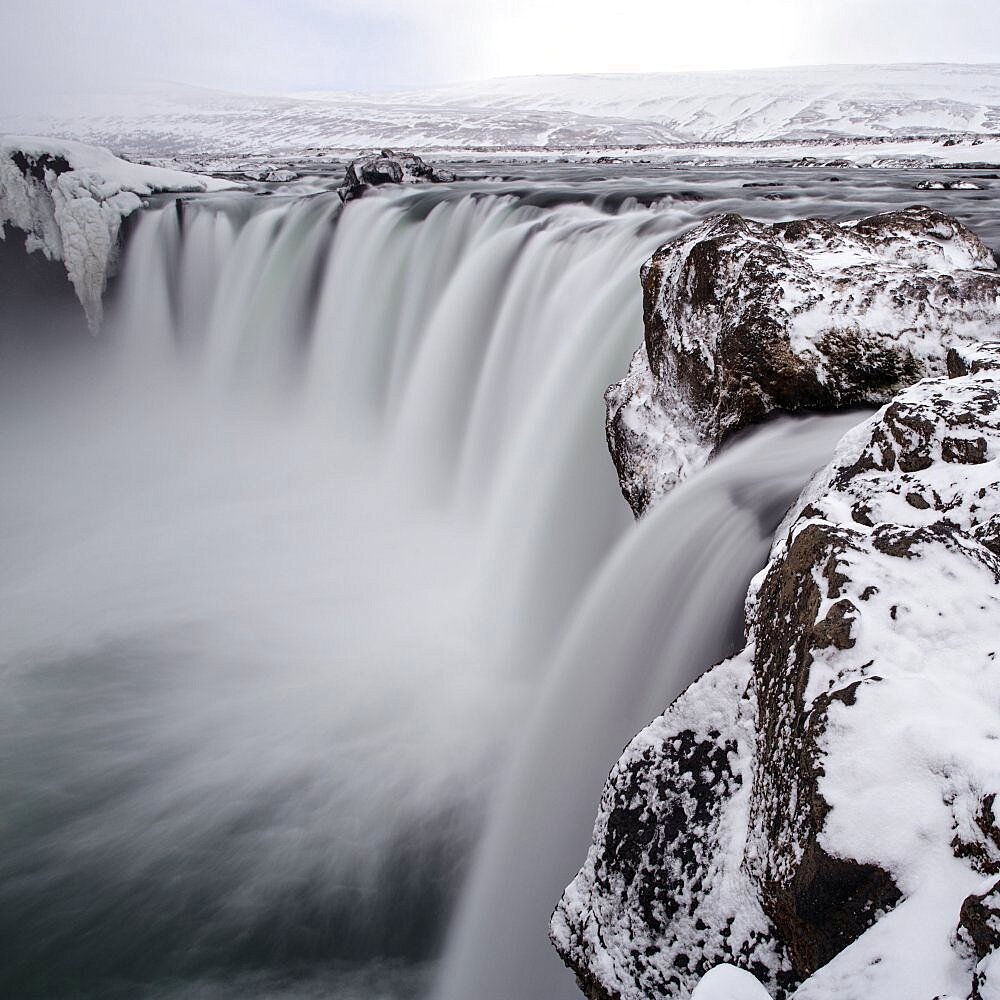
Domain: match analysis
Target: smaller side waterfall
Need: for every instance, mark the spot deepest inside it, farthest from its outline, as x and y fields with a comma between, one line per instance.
x=667, y=604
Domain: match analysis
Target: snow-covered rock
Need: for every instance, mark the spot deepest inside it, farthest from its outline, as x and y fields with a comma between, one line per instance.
x=743, y=318
x=70, y=201
x=979, y=932
x=928, y=185
x=270, y=173
x=820, y=810
x=388, y=167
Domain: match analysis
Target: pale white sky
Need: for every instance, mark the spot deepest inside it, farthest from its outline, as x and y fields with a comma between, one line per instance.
x=269, y=46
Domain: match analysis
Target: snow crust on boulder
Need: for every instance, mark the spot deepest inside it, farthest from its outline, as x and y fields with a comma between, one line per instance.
x=271, y=173
x=928, y=185
x=821, y=809
x=70, y=199
x=388, y=167
x=743, y=318
x=726, y=982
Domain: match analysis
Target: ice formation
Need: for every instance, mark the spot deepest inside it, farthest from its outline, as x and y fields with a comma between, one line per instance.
x=71, y=199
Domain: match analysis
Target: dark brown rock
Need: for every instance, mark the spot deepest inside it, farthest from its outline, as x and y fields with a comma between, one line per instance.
x=979, y=930
x=818, y=903
x=388, y=167
x=743, y=318
x=35, y=165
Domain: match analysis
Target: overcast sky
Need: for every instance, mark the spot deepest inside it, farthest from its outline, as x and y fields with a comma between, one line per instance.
x=273, y=46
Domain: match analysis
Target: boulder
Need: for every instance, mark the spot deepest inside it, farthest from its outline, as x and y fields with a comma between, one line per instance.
x=388, y=167
x=270, y=173
x=820, y=810
x=744, y=318
x=928, y=185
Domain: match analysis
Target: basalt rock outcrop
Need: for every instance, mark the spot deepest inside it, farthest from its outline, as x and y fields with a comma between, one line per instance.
x=388, y=167
x=744, y=318
x=821, y=810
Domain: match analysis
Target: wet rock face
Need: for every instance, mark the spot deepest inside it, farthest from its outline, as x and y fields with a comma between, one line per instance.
x=836, y=783
x=388, y=167
x=744, y=318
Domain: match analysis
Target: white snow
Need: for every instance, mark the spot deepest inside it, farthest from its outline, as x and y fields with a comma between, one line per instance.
x=750, y=105
x=75, y=215
x=726, y=982
x=565, y=113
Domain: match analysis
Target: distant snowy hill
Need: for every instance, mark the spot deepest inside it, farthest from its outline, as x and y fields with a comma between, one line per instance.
x=747, y=106
x=551, y=111
x=174, y=119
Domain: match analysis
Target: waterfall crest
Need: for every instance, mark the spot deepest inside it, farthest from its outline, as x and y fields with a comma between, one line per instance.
x=467, y=344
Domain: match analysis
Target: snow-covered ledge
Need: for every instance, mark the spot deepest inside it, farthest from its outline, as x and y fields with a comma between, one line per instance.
x=70, y=200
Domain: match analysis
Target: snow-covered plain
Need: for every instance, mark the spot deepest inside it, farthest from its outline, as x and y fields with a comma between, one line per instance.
x=531, y=113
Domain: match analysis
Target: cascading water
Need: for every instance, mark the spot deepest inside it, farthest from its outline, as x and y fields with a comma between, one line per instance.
x=667, y=602
x=280, y=569
x=309, y=549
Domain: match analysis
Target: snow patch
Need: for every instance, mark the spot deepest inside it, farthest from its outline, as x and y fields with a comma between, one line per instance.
x=726, y=982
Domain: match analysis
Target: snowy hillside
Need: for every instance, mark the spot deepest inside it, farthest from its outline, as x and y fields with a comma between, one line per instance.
x=751, y=105
x=529, y=112
x=169, y=118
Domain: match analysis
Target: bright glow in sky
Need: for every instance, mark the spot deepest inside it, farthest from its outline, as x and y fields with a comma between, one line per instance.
x=268, y=46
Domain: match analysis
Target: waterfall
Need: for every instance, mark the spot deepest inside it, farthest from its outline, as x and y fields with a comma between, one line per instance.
x=468, y=341
x=666, y=604
x=323, y=543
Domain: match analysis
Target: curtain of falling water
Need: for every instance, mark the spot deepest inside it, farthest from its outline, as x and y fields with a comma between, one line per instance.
x=281, y=572
x=285, y=584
